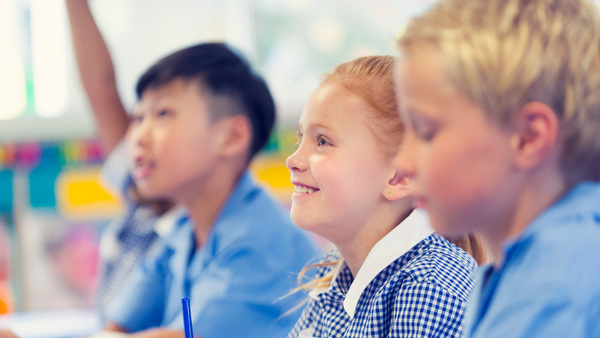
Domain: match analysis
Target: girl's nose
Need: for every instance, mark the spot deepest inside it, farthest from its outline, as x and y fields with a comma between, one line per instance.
x=294, y=162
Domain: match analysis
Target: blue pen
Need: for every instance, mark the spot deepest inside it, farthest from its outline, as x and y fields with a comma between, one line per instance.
x=187, y=317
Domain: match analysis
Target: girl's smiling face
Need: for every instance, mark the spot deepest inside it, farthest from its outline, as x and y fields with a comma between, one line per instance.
x=339, y=169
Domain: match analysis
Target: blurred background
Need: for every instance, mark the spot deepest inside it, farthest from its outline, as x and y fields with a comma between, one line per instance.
x=52, y=206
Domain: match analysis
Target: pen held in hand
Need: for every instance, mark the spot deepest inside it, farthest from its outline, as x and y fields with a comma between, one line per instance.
x=187, y=317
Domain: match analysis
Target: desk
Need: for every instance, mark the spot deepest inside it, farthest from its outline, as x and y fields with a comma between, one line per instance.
x=52, y=324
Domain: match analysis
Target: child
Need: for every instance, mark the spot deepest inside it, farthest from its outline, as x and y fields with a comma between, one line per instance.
x=501, y=99
x=202, y=115
x=391, y=276
x=127, y=239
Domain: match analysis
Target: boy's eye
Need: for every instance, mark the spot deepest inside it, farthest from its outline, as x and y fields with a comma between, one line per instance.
x=425, y=131
x=136, y=118
x=424, y=128
x=426, y=135
x=164, y=113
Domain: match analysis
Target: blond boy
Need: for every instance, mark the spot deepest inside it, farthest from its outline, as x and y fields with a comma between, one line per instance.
x=502, y=103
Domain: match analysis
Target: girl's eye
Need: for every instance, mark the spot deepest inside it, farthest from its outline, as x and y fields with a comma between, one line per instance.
x=322, y=141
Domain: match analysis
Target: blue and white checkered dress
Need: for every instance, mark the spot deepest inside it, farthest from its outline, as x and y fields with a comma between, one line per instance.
x=421, y=294
x=130, y=238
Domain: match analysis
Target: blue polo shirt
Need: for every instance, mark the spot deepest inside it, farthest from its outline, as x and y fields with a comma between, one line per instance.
x=549, y=282
x=235, y=281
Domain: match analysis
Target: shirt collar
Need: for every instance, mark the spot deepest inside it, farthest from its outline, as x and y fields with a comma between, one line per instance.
x=243, y=189
x=396, y=243
x=165, y=223
x=173, y=237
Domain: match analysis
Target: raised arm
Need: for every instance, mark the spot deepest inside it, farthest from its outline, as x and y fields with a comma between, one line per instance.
x=97, y=75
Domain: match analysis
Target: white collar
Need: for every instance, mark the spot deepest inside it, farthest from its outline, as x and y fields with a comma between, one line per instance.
x=396, y=243
x=165, y=223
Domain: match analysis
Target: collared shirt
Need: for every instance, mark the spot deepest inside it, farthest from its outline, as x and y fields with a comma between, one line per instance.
x=412, y=284
x=235, y=281
x=548, y=284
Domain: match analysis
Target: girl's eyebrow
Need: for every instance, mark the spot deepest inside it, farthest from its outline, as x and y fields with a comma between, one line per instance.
x=318, y=126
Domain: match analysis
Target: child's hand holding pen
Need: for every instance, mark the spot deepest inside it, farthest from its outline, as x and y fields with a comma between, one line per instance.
x=187, y=317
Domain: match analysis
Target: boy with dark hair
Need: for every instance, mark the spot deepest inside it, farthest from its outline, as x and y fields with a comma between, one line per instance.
x=202, y=115
x=222, y=74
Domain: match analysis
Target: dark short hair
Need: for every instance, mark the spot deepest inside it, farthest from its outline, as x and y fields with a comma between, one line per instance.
x=222, y=72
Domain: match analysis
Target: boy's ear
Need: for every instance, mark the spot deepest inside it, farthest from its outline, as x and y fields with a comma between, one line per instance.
x=536, y=134
x=238, y=136
x=397, y=187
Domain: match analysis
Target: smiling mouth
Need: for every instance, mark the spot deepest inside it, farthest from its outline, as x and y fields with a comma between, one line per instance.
x=300, y=189
x=141, y=169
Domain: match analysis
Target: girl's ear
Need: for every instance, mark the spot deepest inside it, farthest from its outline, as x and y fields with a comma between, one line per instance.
x=397, y=187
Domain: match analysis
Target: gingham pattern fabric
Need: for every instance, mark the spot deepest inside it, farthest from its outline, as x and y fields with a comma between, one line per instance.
x=421, y=294
x=132, y=237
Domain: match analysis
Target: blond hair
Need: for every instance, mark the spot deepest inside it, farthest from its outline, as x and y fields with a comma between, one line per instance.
x=371, y=80
x=503, y=54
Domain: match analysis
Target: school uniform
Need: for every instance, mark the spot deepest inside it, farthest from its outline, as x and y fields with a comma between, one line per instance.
x=235, y=280
x=410, y=285
x=548, y=284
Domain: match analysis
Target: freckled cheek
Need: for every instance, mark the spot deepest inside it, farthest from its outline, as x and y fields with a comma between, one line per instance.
x=332, y=180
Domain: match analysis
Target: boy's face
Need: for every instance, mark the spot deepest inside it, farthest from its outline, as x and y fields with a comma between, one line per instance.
x=172, y=143
x=459, y=161
x=339, y=169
